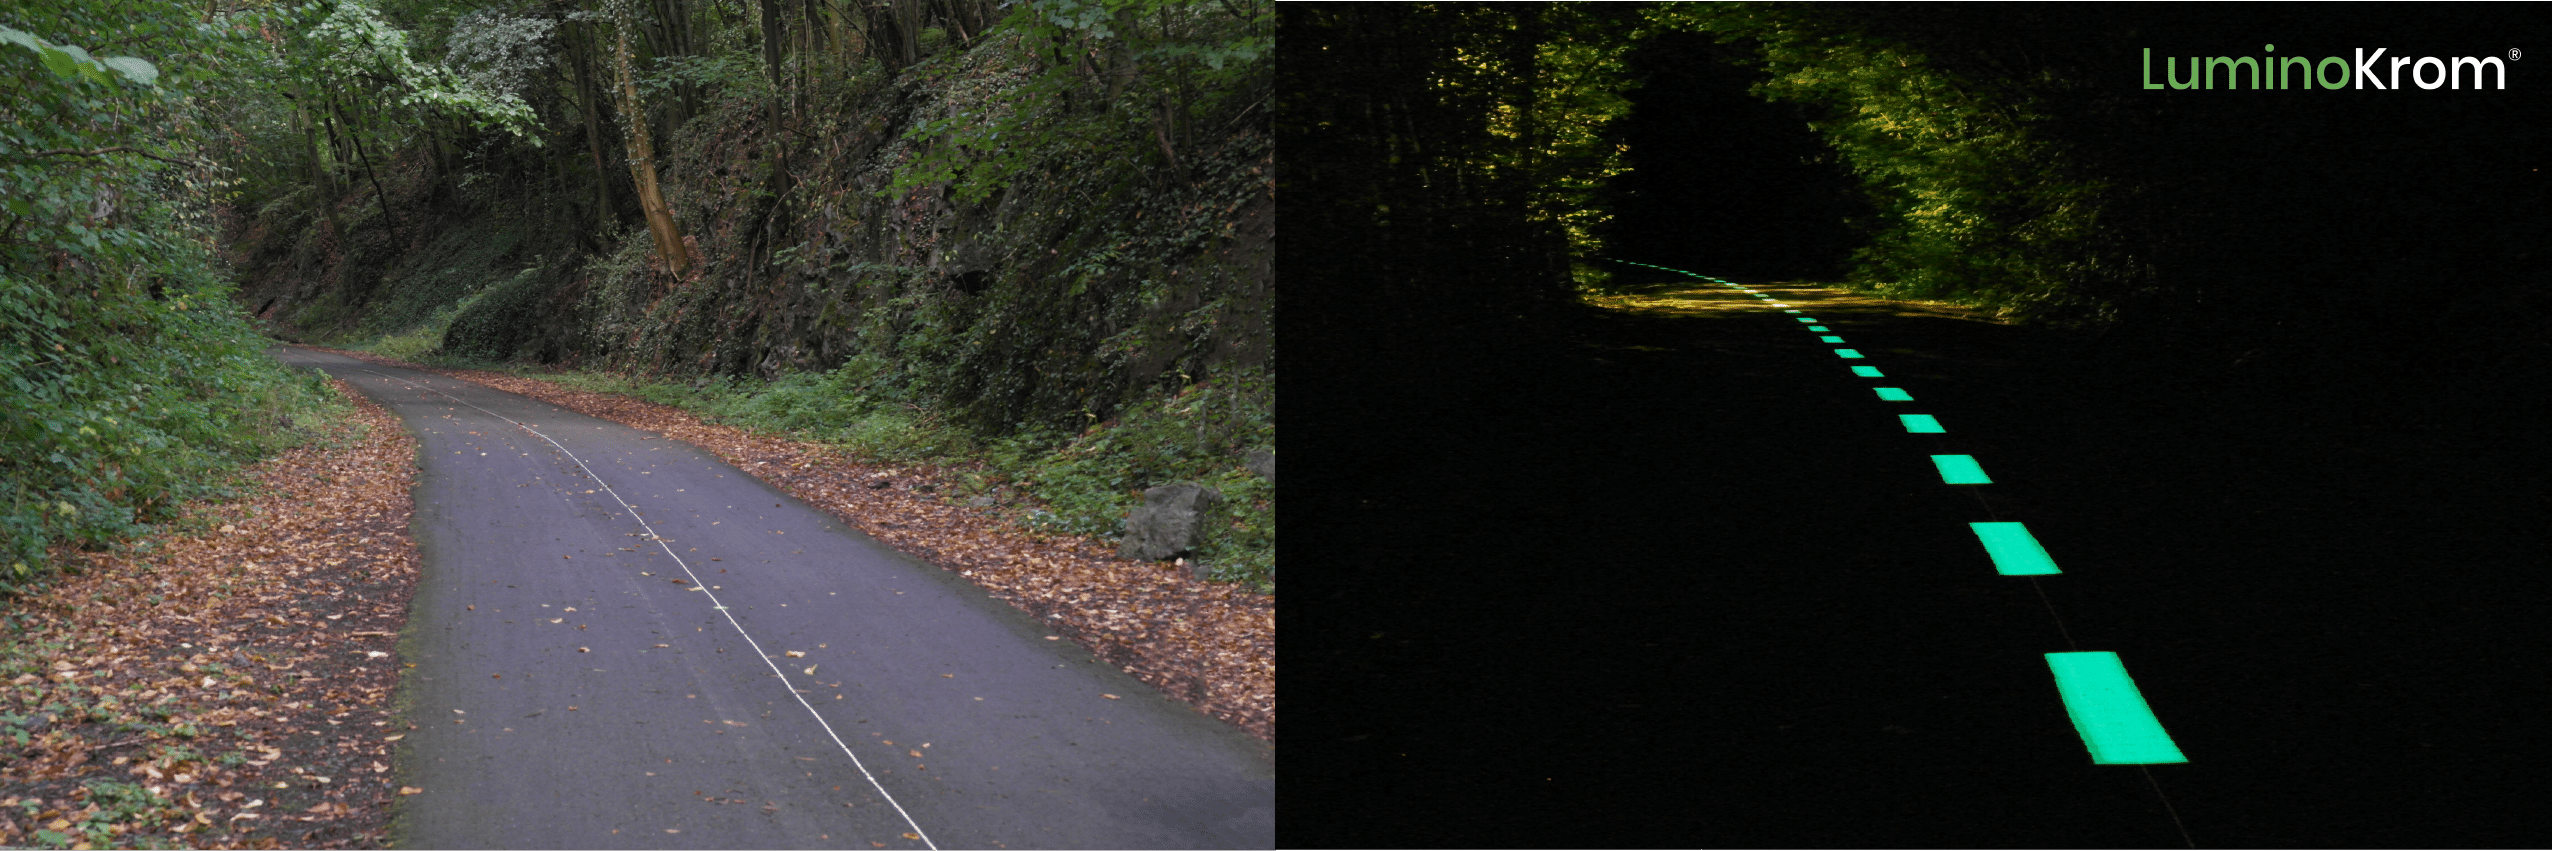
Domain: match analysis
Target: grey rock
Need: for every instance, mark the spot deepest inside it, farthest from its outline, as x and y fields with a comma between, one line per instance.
x=983, y=501
x=1262, y=462
x=1167, y=523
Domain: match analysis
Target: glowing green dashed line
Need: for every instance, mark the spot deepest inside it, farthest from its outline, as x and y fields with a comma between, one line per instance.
x=1892, y=394
x=2116, y=724
x=1867, y=372
x=1921, y=424
x=1960, y=470
x=1819, y=328
x=2012, y=549
x=1830, y=339
x=1847, y=353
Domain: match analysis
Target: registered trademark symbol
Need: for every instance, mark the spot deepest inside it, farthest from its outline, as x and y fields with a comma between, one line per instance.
x=2513, y=54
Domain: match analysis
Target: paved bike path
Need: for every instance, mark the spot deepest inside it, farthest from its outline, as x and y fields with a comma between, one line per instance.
x=576, y=686
x=1679, y=580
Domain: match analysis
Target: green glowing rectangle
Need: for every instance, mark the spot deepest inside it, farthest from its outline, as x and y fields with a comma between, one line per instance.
x=1847, y=353
x=1805, y=319
x=1892, y=394
x=1921, y=424
x=1802, y=320
x=1960, y=470
x=2116, y=724
x=1830, y=339
x=1819, y=328
x=2013, y=551
x=1867, y=372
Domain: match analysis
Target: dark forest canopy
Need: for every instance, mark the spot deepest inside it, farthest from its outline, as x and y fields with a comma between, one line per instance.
x=2001, y=155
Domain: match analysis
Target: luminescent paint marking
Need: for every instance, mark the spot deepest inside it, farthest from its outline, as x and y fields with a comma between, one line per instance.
x=1803, y=320
x=2116, y=724
x=1867, y=372
x=1892, y=394
x=1830, y=339
x=1921, y=424
x=2014, y=552
x=1847, y=353
x=1806, y=319
x=1960, y=470
x=1779, y=304
x=1819, y=328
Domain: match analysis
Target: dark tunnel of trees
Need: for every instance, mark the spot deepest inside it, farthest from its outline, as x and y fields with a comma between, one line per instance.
x=1721, y=179
x=1455, y=172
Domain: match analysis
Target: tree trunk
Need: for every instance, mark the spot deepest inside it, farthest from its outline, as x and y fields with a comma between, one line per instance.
x=581, y=63
x=388, y=216
x=775, y=33
x=319, y=181
x=642, y=165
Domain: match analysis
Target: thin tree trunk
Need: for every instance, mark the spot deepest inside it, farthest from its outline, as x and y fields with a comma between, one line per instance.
x=642, y=165
x=775, y=34
x=774, y=30
x=319, y=181
x=580, y=62
x=388, y=216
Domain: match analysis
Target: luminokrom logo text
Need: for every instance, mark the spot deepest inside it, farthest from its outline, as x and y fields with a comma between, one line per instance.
x=2371, y=70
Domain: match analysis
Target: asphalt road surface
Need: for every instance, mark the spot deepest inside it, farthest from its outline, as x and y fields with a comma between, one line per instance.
x=1686, y=580
x=621, y=641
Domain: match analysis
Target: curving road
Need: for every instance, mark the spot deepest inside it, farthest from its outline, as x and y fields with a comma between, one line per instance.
x=621, y=641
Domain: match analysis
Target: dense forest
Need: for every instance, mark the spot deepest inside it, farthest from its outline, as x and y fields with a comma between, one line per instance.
x=1036, y=232
x=1479, y=162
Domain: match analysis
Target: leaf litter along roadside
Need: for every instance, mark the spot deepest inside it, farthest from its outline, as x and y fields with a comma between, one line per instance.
x=225, y=682
x=1212, y=646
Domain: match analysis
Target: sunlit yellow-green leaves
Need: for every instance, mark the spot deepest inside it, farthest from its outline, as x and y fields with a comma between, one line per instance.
x=1975, y=203
x=1552, y=107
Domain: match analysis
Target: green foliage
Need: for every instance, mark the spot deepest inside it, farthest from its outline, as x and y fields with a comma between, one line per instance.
x=1443, y=159
x=128, y=379
x=1169, y=66
x=499, y=321
x=69, y=60
x=730, y=74
x=864, y=405
x=1559, y=99
x=1199, y=433
x=119, y=802
x=1977, y=201
x=496, y=52
x=350, y=45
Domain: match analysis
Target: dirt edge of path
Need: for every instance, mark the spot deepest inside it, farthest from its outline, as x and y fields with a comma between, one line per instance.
x=225, y=682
